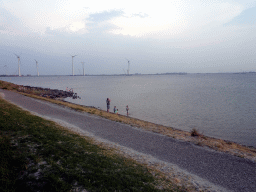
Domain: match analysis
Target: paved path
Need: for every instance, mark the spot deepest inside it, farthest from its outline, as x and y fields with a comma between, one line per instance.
x=232, y=173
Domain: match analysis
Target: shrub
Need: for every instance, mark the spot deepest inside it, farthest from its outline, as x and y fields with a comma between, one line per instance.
x=195, y=132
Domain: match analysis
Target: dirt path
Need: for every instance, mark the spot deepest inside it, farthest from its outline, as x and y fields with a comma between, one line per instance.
x=230, y=172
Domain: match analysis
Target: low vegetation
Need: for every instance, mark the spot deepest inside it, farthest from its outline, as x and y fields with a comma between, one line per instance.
x=38, y=155
x=8, y=86
x=194, y=133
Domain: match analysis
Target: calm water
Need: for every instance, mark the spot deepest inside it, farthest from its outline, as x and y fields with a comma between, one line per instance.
x=219, y=105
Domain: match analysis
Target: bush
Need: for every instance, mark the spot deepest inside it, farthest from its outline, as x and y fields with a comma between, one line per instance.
x=195, y=132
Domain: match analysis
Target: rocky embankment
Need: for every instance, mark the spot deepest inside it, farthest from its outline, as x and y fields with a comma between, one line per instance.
x=47, y=92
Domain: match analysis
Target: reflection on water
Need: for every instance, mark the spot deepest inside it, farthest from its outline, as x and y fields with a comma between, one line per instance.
x=219, y=105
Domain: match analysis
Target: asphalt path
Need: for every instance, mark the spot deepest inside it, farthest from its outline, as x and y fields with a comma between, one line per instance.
x=230, y=172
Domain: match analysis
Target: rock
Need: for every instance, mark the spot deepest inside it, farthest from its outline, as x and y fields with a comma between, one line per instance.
x=51, y=93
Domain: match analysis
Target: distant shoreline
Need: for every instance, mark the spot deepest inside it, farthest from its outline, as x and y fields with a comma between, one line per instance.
x=135, y=74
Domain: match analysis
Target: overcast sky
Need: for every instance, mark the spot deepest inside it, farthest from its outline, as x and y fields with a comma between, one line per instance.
x=205, y=36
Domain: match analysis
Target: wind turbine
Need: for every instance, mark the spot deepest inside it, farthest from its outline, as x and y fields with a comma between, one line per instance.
x=73, y=64
x=128, y=70
x=37, y=68
x=18, y=57
x=5, y=69
x=79, y=72
x=83, y=67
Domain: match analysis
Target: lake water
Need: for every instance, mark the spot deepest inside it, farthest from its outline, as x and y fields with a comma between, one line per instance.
x=218, y=105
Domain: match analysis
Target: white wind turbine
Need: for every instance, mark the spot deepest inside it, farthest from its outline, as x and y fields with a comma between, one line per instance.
x=5, y=69
x=37, y=68
x=83, y=67
x=18, y=57
x=73, y=64
x=79, y=72
x=128, y=70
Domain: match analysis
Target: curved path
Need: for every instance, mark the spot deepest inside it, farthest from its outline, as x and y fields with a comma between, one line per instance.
x=230, y=172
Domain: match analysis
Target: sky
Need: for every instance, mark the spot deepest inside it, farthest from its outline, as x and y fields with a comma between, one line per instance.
x=164, y=36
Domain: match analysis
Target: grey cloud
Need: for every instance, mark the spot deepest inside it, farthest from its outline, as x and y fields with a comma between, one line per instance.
x=99, y=21
x=105, y=16
x=7, y=19
x=9, y=22
x=248, y=16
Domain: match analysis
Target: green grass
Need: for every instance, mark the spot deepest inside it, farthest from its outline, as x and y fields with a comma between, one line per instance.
x=38, y=155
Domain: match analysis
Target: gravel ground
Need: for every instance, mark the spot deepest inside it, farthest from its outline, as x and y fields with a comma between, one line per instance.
x=187, y=163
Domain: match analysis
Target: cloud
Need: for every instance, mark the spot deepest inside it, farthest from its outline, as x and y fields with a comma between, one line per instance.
x=162, y=36
x=179, y=19
x=10, y=25
x=101, y=22
x=101, y=27
x=52, y=31
x=7, y=19
x=105, y=16
x=141, y=15
x=105, y=21
x=36, y=16
x=248, y=16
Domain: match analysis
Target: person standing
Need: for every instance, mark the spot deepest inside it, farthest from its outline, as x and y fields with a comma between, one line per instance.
x=127, y=109
x=108, y=104
x=114, y=109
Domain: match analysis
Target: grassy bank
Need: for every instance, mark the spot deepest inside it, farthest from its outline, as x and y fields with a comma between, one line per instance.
x=38, y=155
x=198, y=138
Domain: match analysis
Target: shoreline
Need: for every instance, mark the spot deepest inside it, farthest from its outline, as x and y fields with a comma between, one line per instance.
x=229, y=147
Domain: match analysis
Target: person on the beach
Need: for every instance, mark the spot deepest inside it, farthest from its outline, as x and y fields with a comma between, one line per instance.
x=114, y=109
x=108, y=104
x=127, y=109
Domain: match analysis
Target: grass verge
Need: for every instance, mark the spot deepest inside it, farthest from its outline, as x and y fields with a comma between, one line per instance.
x=38, y=155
